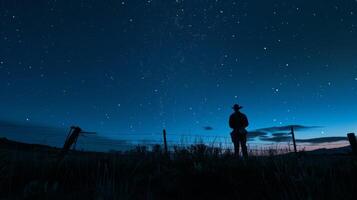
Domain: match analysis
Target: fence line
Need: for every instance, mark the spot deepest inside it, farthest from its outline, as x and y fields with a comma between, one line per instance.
x=185, y=139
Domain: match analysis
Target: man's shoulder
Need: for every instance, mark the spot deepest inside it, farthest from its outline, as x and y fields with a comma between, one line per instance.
x=238, y=114
x=243, y=116
x=235, y=114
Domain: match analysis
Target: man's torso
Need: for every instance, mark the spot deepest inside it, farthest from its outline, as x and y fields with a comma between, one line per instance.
x=238, y=121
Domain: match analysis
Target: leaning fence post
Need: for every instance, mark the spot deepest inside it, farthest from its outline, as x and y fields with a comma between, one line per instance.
x=353, y=142
x=294, y=141
x=165, y=141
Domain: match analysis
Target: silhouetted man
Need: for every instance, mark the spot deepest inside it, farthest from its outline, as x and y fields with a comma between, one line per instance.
x=239, y=122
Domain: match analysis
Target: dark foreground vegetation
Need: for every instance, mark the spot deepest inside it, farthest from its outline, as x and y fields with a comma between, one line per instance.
x=197, y=172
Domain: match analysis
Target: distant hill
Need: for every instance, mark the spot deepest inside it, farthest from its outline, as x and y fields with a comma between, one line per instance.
x=54, y=136
x=10, y=144
x=335, y=151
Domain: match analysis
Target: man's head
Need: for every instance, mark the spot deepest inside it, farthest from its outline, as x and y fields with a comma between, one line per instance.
x=237, y=107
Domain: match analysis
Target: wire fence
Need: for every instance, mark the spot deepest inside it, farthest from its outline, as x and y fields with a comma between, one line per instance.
x=121, y=141
x=215, y=141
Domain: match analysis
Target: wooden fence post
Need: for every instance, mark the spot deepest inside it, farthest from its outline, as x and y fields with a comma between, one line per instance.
x=294, y=141
x=165, y=141
x=353, y=142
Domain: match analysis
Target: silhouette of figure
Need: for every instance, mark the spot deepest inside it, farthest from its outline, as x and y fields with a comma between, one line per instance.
x=239, y=122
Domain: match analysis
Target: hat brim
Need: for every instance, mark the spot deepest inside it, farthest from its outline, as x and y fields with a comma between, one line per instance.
x=237, y=107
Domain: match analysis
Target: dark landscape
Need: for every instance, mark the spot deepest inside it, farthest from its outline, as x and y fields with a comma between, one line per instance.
x=196, y=172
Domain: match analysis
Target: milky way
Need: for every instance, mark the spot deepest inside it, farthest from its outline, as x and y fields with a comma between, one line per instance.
x=131, y=67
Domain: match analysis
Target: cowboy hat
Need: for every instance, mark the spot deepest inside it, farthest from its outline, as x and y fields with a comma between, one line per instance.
x=236, y=106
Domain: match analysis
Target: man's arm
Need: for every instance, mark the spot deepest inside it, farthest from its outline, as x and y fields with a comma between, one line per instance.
x=231, y=122
x=246, y=122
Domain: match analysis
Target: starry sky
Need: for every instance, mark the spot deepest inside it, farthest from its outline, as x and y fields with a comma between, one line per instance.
x=121, y=67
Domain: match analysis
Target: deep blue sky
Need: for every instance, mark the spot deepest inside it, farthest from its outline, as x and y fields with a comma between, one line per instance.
x=120, y=67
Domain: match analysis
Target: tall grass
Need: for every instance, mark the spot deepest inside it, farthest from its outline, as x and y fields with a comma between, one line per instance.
x=198, y=171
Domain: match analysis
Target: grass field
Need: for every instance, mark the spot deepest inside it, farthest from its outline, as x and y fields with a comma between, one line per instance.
x=196, y=172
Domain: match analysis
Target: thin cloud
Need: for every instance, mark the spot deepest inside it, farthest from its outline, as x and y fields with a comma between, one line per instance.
x=255, y=134
x=208, y=128
x=276, y=139
x=280, y=134
x=287, y=128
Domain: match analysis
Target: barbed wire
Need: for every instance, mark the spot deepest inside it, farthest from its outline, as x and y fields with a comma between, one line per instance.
x=180, y=139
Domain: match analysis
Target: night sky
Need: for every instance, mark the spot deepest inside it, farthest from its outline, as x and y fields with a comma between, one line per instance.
x=136, y=67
